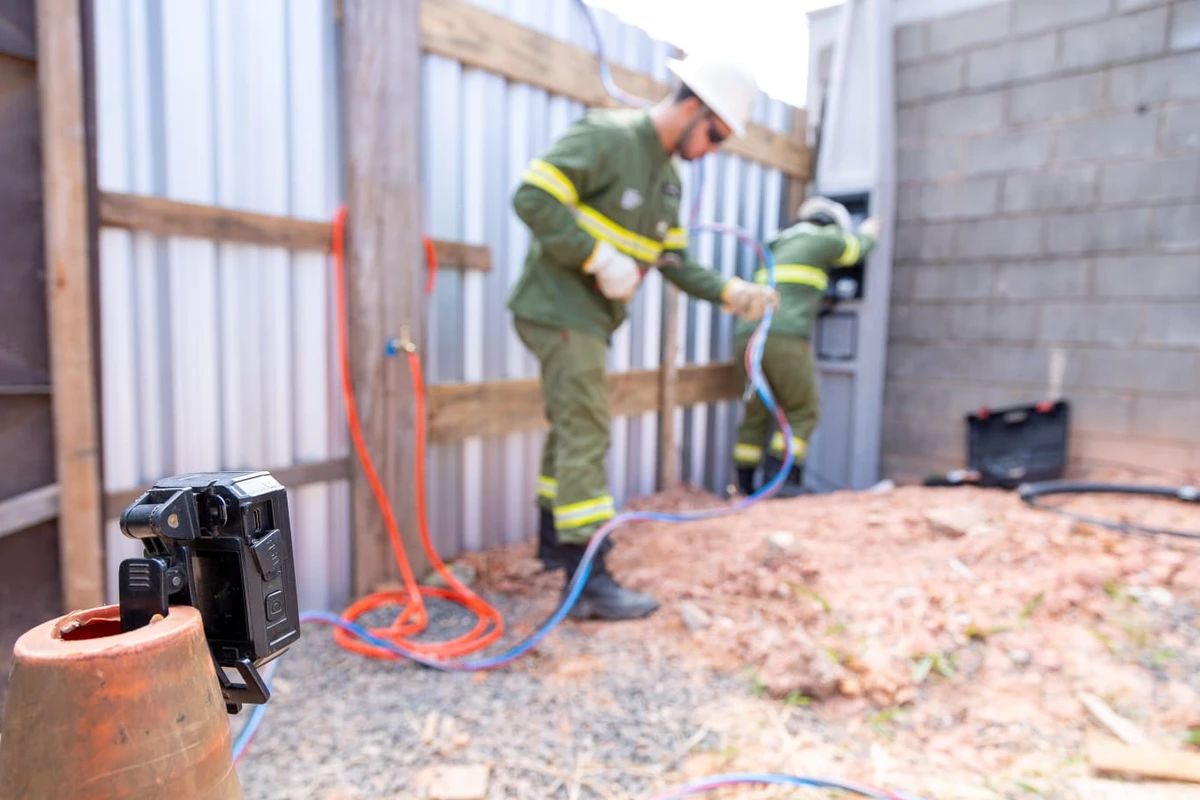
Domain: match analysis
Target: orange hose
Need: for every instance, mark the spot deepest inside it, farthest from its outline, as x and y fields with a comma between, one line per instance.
x=412, y=618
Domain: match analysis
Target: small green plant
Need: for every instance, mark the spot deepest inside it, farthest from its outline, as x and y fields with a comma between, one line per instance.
x=882, y=721
x=1107, y=641
x=757, y=687
x=1028, y=787
x=1192, y=737
x=1163, y=657
x=1033, y=605
x=795, y=698
x=925, y=664
x=808, y=591
x=973, y=631
x=836, y=629
x=1137, y=633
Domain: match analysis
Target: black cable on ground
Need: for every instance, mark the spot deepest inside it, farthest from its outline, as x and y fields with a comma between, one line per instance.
x=1031, y=492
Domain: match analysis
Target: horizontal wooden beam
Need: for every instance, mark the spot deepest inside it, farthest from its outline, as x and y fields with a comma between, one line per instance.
x=477, y=38
x=173, y=218
x=291, y=476
x=462, y=410
x=25, y=390
x=26, y=510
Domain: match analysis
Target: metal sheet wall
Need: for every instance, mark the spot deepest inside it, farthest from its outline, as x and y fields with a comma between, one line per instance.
x=222, y=356
x=219, y=356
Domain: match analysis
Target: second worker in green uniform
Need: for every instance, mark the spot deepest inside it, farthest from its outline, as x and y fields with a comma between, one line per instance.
x=602, y=204
x=821, y=239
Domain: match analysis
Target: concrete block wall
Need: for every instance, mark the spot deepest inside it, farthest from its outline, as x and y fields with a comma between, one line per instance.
x=1048, y=228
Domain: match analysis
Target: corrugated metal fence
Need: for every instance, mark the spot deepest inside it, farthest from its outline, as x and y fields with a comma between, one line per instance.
x=222, y=356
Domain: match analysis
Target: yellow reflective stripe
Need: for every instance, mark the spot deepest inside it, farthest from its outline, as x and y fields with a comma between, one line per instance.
x=547, y=487
x=576, y=515
x=677, y=239
x=852, y=251
x=628, y=242
x=799, y=446
x=546, y=176
x=795, y=273
x=747, y=453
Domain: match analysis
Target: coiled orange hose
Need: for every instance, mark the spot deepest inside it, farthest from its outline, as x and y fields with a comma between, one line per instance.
x=412, y=618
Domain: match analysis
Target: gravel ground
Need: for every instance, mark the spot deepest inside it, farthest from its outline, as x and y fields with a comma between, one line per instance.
x=342, y=726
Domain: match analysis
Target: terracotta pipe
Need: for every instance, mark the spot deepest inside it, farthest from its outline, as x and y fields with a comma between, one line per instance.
x=99, y=714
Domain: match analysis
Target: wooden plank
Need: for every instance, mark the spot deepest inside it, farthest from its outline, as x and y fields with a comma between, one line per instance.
x=797, y=187
x=69, y=292
x=475, y=37
x=173, y=218
x=385, y=266
x=25, y=390
x=459, y=255
x=1109, y=755
x=668, y=454
x=291, y=476
x=459, y=411
x=26, y=510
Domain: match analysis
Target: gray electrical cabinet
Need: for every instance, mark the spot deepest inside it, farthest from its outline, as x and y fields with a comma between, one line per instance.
x=851, y=88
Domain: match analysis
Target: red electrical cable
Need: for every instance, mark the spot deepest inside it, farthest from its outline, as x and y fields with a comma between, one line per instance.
x=412, y=618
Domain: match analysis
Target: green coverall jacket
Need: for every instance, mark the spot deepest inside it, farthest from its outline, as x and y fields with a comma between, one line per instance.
x=607, y=178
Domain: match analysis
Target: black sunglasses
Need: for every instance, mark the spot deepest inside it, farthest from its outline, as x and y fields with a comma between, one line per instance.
x=714, y=135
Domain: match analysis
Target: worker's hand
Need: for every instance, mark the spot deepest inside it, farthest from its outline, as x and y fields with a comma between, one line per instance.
x=616, y=273
x=748, y=300
x=870, y=227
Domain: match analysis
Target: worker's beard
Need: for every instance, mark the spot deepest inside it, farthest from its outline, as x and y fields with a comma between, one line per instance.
x=696, y=119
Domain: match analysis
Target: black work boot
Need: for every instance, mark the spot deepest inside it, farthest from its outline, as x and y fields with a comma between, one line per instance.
x=745, y=480
x=793, y=485
x=602, y=597
x=549, y=551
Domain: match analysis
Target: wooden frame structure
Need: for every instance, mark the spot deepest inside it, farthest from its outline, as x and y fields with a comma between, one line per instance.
x=383, y=41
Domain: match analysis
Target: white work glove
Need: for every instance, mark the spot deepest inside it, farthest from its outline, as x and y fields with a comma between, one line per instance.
x=870, y=227
x=616, y=273
x=748, y=300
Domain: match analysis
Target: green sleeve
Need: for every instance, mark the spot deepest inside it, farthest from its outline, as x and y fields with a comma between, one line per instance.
x=698, y=281
x=550, y=189
x=845, y=249
x=684, y=272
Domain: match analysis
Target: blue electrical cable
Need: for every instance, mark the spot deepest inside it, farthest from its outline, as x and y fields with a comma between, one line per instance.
x=715, y=782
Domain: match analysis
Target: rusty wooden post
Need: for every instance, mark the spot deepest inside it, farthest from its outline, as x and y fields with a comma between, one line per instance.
x=385, y=264
x=65, y=182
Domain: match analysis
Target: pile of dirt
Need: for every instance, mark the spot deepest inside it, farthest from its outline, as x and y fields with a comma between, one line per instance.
x=957, y=625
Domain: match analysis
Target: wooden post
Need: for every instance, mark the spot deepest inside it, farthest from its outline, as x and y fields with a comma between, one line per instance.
x=385, y=262
x=668, y=461
x=69, y=296
x=798, y=186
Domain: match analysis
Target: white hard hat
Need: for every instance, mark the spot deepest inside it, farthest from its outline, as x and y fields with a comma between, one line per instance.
x=726, y=87
x=813, y=206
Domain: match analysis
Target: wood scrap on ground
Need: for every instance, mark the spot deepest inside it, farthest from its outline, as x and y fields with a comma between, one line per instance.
x=1148, y=761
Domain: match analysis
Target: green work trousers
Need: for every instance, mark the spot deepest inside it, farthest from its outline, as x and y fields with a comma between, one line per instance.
x=573, y=481
x=787, y=364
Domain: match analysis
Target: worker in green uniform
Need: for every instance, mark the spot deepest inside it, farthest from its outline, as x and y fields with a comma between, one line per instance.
x=602, y=204
x=822, y=238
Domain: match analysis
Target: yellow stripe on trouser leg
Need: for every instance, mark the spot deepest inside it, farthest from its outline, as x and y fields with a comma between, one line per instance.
x=788, y=366
x=799, y=447
x=584, y=514
x=575, y=394
x=747, y=455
